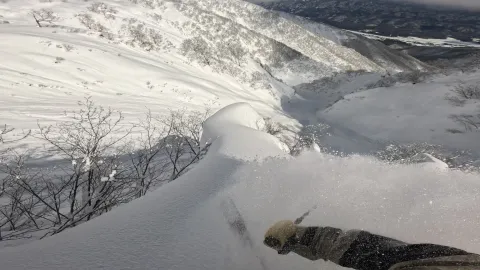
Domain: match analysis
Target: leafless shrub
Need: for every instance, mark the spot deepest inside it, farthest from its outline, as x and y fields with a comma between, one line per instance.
x=308, y=138
x=146, y=172
x=102, y=8
x=101, y=167
x=157, y=17
x=89, y=140
x=183, y=145
x=414, y=153
x=148, y=3
x=259, y=80
x=168, y=147
x=6, y=131
x=455, y=101
x=91, y=24
x=68, y=47
x=197, y=49
x=403, y=153
x=389, y=80
x=234, y=52
x=272, y=128
x=23, y=209
x=468, y=121
x=15, y=207
x=58, y=60
x=414, y=77
x=467, y=91
x=44, y=16
x=143, y=36
x=355, y=73
x=88, y=133
x=386, y=81
x=454, y=131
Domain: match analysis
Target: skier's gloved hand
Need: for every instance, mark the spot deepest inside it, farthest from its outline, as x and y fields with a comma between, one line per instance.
x=282, y=236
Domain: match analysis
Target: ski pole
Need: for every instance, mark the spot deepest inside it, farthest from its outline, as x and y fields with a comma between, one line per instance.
x=302, y=217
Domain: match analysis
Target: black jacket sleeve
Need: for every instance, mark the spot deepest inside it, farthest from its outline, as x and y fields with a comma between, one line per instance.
x=363, y=250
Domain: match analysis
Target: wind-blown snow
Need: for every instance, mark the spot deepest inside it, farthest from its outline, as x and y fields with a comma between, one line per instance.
x=183, y=225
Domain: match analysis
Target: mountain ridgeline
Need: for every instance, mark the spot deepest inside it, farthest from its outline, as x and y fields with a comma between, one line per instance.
x=285, y=46
x=386, y=17
x=253, y=44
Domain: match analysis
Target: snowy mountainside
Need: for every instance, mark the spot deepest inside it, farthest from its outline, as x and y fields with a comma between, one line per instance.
x=187, y=224
x=122, y=54
x=322, y=43
x=375, y=51
x=165, y=55
x=161, y=54
x=231, y=31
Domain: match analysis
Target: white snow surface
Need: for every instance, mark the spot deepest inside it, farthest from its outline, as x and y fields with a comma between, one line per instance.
x=45, y=71
x=407, y=113
x=242, y=120
x=183, y=224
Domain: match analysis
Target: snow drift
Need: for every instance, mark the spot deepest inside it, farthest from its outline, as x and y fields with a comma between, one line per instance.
x=187, y=224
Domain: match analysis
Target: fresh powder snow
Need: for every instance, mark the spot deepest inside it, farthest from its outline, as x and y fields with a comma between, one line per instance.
x=183, y=225
x=129, y=56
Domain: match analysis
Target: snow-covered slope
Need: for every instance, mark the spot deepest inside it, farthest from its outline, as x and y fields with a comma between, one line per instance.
x=284, y=43
x=409, y=112
x=190, y=223
x=375, y=51
x=334, y=48
x=163, y=55
x=45, y=71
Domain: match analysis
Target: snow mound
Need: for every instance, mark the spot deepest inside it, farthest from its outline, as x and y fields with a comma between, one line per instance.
x=240, y=119
x=193, y=222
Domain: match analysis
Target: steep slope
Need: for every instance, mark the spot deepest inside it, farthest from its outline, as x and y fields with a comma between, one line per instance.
x=375, y=51
x=162, y=54
x=122, y=54
x=246, y=180
x=317, y=41
x=227, y=34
